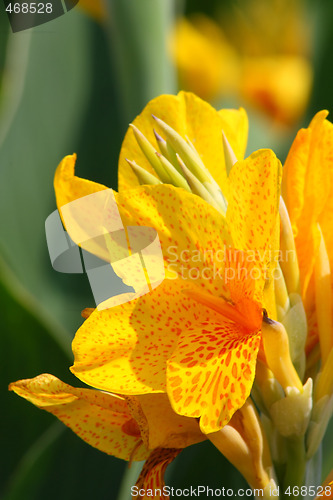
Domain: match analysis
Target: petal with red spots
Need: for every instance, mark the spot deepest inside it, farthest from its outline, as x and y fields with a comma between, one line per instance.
x=151, y=480
x=124, y=349
x=166, y=429
x=210, y=374
x=102, y=420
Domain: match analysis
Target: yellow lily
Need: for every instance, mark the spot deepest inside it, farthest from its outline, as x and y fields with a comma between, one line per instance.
x=162, y=342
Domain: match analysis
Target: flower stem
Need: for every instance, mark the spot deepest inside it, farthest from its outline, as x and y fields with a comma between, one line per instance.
x=296, y=463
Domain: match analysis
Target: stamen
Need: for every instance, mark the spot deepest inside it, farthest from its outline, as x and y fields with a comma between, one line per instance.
x=143, y=176
x=229, y=156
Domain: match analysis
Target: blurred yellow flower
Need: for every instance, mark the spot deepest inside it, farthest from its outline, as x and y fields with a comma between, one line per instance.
x=206, y=62
x=260, y=56
x=95, y=8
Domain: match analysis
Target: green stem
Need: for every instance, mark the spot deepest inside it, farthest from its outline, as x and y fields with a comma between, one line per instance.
x=296, y=464
x=129, y=479
x=138, y=33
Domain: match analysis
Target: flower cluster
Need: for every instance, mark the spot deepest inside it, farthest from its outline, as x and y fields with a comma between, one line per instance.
x=241, y=356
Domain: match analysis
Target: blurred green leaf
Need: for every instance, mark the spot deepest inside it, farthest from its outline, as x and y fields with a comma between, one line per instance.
x=36, y=449
x=42, y=126
x=138, y=33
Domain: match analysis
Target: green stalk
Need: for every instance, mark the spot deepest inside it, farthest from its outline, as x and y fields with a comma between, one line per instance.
x=138, y=35
x=296, y=464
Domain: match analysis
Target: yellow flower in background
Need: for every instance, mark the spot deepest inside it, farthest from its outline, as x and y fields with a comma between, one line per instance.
x=257, y=54
x=94, y=8
x=207, y=63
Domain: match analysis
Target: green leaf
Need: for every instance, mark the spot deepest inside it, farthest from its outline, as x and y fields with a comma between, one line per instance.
x=138, y=35
x=39, y=126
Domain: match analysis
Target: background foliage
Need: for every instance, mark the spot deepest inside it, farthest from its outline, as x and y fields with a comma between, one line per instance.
x=73, y=85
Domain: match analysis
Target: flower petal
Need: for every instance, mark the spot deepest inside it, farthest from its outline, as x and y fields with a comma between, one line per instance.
x=253, y=211
x=152, y=474
x=68, y=187
x=189, y=116
x=307, y=185
x=124, y=349
x=166, y=429
x=210, y=374
x=96, y=417
x=192, y=233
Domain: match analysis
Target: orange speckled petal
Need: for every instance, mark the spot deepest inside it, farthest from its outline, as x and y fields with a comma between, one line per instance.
x=210, y=374
x=166, y=428
x=190, y=230
x=253, y=210
x=152, y=474
x=190, y=116
x=192, y=233
x=96, y=417
x=125, y=349
x=307, y=185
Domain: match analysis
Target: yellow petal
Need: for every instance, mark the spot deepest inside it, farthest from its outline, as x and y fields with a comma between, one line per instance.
x=253, y=211
x=124, y=349
x=96, y=417
x=166, y=429
x=190, y=117
x=152, y=475
x=236, y=129
x=211, y=372
x=131, y=343
x=307, y=181
x=68, y=187
x=192, y=233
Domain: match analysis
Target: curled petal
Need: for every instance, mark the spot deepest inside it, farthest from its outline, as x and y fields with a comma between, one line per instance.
x=100, y=419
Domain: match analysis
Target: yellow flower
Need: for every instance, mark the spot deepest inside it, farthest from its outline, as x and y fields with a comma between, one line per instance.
x=202, y=357
x=263, y=59
x=307, y=191
x=95, y=8
x=215, y=67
